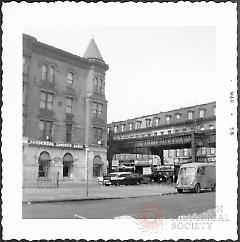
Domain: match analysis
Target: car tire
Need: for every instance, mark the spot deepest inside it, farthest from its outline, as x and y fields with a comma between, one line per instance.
x=180, y=190
x=197, y=188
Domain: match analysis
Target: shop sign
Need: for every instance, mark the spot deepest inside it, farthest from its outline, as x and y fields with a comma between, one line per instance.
x=55, y=144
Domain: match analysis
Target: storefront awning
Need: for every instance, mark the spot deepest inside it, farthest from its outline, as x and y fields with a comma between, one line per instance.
x=97, y=160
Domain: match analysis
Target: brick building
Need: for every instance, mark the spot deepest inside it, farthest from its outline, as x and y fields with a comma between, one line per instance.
x=64, y=112
x=183, y=120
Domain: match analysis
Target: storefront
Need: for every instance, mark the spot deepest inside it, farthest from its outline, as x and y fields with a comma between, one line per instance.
x=49, y=160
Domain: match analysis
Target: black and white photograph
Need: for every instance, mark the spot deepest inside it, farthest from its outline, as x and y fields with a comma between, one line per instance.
x=122, y=128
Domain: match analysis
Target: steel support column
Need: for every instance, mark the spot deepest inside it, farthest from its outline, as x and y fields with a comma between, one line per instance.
x=193, y=148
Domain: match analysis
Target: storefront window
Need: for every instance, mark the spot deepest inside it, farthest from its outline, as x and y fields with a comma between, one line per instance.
x=96, y=170
x=67, y=165
x=44, y=164
x=97, y=166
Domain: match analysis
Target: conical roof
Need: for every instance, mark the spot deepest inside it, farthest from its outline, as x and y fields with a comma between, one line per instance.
x=92, y=51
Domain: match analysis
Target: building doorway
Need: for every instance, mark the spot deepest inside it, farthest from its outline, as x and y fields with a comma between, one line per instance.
x=67, y=165
x=97, y=166
x=44, y=164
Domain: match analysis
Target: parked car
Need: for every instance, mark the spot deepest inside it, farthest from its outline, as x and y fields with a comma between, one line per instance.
x=121, y=178
x=196, y=176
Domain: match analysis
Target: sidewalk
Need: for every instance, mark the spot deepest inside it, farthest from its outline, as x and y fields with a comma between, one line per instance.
x=77, y=192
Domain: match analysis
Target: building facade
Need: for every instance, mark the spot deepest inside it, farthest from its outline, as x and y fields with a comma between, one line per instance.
x=189, y=119
x=64, y=112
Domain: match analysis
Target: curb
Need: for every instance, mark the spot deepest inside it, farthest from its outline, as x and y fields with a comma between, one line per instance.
x=93, y=199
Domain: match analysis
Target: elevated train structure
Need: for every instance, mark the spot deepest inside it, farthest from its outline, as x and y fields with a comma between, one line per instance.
x=193, y=133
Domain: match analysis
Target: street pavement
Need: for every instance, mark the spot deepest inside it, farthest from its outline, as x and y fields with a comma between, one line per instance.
x=96, y=191
x=142, y=207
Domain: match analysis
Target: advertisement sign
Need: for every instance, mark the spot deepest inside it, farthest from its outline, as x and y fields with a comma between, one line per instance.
x=55, y=144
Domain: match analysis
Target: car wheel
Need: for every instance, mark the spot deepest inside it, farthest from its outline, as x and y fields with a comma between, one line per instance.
x=197, y=188
x=180, y=190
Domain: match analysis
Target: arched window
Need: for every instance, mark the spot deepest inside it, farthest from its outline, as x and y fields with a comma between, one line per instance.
x=44, y=164
x=97, y=166
x=44, y=72
x=51, y=73
x=96, y=84
x=70, y=77
x=67, y=165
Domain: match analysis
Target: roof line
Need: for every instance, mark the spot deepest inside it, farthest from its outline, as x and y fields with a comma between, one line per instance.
x=162, y=112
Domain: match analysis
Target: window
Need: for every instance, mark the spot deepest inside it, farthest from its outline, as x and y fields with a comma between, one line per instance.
x=177, y=152
x=201, y=171
x=70, y=77
x=201, y=113
x=68, y=132
x=185, y=152
x=108, y=129
x=100, y=109
x=203, y=151
x=202, y=128
x=212, y=151
x=162, y=132
x=169, y=131
x=130, y=126
x=44, y=72
x=97, y=109
x=178, y=115
x=98, y=132
x=157, y=120
x=148, y=122
x=168, y=119
x=115, y=129
x=45, y=128
x=51, y=74
x=176, y=130
x=98, y=85
x=122, y=127
x=69, y=102
x=138, y=124
x=46, y=100
x=155, y=133
x=211, y=126
x=190, y=115
x=101, y=89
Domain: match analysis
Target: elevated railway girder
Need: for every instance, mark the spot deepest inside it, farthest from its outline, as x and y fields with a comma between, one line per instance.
x=156, y=144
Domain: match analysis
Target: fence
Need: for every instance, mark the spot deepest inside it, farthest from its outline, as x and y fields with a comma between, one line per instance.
x=38, y=180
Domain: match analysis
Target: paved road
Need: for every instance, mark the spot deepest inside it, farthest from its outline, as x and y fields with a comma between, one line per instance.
x=169, y=206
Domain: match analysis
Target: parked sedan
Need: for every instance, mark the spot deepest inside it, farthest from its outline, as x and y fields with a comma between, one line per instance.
x=122, y=178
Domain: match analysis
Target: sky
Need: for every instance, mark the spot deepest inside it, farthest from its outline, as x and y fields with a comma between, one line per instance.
x=151, y=68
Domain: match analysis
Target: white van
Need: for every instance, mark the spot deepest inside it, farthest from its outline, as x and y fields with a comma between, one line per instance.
x=196, y=176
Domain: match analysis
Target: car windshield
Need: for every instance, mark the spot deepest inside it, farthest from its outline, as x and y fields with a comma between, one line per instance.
x=187, y=171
